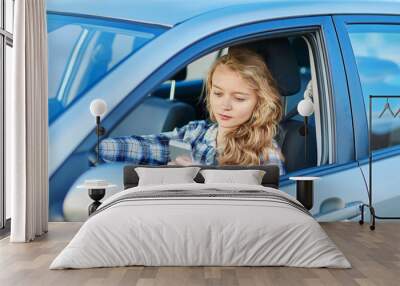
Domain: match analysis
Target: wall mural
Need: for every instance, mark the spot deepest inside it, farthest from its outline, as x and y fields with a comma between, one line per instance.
x=236, y=106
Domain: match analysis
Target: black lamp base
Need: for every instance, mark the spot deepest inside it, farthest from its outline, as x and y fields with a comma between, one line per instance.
x=96, y=195
x=305, y=193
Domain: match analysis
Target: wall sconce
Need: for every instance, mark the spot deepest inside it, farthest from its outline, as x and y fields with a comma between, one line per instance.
x=306, y=108
x=98, y=108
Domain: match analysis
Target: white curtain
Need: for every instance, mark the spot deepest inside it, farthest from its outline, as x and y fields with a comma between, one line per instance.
x=26, y=124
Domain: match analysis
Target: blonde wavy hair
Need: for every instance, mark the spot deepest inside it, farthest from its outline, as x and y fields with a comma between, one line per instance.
x=245, y=144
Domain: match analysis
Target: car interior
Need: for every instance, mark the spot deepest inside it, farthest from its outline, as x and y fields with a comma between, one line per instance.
x=179, y=100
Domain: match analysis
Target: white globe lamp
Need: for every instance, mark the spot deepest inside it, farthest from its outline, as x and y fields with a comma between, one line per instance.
x=98, y=107
x=305, y=107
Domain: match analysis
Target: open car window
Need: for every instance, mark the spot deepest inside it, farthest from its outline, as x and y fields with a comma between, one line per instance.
x=184, y=93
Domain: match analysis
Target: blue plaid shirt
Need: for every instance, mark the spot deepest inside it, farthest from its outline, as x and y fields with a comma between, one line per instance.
x=154, y=149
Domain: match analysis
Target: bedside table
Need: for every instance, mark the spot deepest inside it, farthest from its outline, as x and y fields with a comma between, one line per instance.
x=96, y=190
x=305, y=190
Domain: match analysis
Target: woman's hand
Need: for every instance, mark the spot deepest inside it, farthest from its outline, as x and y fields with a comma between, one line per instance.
x=182, y=161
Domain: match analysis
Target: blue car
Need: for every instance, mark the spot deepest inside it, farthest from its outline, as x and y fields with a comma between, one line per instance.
x=148, y=61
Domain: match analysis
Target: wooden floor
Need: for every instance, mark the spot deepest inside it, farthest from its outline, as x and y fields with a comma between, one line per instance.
x=375, y=257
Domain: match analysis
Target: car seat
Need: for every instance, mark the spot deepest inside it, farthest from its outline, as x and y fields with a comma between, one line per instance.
x=281, y=60
x=155, y=115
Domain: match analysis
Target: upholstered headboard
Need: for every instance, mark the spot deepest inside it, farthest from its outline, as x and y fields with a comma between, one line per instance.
x=270, y=179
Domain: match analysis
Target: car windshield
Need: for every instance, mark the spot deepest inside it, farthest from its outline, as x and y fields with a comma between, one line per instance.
x=82, y=50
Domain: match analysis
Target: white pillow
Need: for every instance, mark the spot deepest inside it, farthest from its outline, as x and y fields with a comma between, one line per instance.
x=248, y=177
x=163, y=176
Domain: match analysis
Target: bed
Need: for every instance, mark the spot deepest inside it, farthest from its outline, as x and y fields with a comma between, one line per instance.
x=201, y=224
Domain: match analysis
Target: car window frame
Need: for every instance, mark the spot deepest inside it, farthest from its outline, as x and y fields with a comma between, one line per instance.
x=355, y=86
x=342, y=147
x=274, y=28
x=320, y=84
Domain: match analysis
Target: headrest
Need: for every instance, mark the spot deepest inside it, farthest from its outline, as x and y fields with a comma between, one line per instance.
x=180, y=75
x=300, y=48
x=281, y=61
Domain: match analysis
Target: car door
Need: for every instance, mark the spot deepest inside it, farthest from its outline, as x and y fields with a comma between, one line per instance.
x=341, y=188
x=370, y=47
x=82, y=51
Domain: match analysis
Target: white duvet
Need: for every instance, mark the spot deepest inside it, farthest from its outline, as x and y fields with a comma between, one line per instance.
x=183, y=231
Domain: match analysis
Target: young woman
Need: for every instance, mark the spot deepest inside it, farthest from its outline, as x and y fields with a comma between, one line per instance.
x=244, y=107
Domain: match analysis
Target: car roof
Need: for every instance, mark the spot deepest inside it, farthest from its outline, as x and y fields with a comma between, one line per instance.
x=170, y=13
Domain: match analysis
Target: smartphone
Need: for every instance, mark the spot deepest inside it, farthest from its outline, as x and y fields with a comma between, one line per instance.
x=179, y=148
